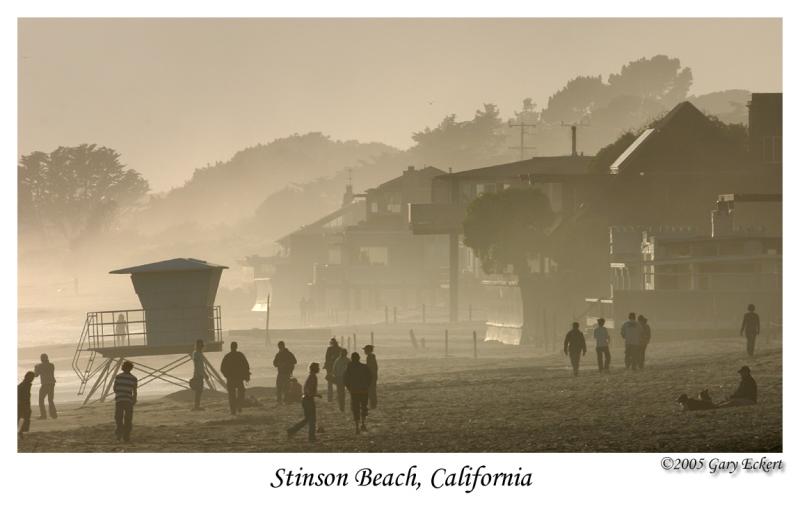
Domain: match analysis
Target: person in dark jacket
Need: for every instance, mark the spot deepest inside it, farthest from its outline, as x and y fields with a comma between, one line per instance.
x=332, y=353
x=574, y=346
x=339, y=368
x=746, y=393
x=751, y=326
x=357, y=378
x=46, y=372
x=645, y=339
x=309, y=406
x=284, y=361
x=24, y=403
x=236, y=370
x=372, y=364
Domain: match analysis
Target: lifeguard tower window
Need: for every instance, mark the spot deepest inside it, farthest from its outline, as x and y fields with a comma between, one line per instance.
x=177, y=298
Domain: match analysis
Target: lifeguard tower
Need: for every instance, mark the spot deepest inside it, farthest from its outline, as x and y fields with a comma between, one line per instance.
x=177, y=298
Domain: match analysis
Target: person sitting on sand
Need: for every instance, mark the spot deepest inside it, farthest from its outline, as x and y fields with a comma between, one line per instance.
x=339, y=368
x=199, y=375
x=294, y=391
x=46, y=372
x=357, y=378
x=703, y=402
x=745, y=394
x=309, y=406
x=574, y=345
x=236, y=370
x=125, y=393
x=24, y=404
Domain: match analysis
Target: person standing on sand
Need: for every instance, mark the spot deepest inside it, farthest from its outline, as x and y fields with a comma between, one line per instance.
x=196, y=383
x=284, y=361
x=121, y=336
x=309, y=406
x=574, y=345
x=125, y=392
x=331, y=355
x=46, y=372
x=339, y=368
x=645, y=340
x=236, y=370
x=24, y=404
x=603, y=341
x=357, y=378
x=631, y=332
x=751, y=327
x=372, y=364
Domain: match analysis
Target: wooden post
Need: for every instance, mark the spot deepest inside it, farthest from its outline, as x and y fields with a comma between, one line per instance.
x=446, y=341
x=474, y=344
x=372, y=338
x=355, y=341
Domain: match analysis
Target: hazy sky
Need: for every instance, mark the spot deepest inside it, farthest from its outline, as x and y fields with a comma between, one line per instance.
x=174, y=94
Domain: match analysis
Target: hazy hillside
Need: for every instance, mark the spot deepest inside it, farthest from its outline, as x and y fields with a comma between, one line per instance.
x=228, y=191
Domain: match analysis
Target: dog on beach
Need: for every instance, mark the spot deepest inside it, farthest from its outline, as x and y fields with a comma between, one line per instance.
x=703, y=402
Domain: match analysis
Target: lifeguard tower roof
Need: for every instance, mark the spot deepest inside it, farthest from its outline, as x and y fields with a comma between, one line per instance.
x=173, y=265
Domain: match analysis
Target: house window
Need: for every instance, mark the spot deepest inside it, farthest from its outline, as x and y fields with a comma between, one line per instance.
x=485, y=188
x=373, y=255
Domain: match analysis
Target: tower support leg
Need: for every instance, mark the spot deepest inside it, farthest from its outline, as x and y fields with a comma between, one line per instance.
x=100, y=378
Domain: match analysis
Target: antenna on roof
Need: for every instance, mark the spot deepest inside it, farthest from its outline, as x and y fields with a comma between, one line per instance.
x=521, y=125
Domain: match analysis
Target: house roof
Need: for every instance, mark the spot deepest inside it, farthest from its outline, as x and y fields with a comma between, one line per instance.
x=319, y=223
x=683, y=117
x=397, y=181
x=543, y=165
x=173, y=265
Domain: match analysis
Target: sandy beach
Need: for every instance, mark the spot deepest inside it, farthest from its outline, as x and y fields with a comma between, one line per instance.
x=510, y=399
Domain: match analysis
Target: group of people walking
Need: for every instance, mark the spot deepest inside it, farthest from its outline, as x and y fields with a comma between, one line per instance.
x=343, y=373
x=635, y=332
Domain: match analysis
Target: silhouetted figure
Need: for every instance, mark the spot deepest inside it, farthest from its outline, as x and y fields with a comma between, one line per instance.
x=703, y=402
x=199, y=375
x=309, y=407
x=631, y=332
x=236, y=370
x=331, y=355
x=357, y=378
x=603, y=343
x=284, y=361
x=24, y=404
x=339, y=369
x=574, y=346
x=645, y=339
x=46, y=372
x=125, y=392
x=294, y=391
x=372, y=364
x=121, y=331
x=751, y=326
x=745, y=394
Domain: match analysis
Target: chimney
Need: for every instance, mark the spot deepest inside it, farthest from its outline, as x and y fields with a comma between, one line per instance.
x=574, y=129
x=409, y=169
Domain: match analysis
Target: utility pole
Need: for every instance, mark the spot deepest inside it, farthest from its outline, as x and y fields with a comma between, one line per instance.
x=522, y=125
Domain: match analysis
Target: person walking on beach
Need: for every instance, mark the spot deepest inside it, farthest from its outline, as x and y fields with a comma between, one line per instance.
x=357, y=379
x=631, y=332
x=309, y=406
x=331, y=355
x=196, y=383
x=236, y=370
x=746, y=393
x=46, y=372
x=284, y=361
x=645, y=338
x=339, y=369
x=751, y=327
x=125, y=392
x=24, y=404
x=574, y=346
x=602, y=341
x=372, y=364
